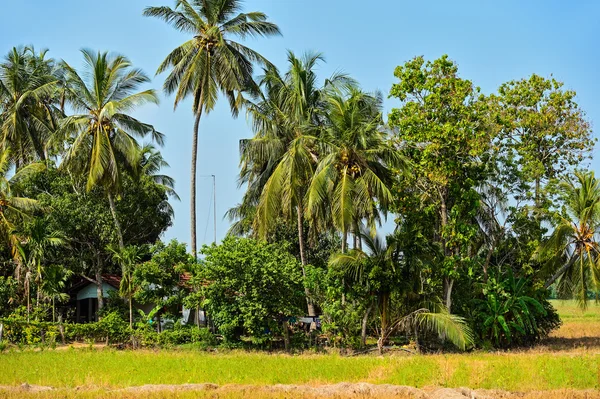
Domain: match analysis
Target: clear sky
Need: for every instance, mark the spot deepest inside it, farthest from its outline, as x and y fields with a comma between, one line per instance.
x=492, y=42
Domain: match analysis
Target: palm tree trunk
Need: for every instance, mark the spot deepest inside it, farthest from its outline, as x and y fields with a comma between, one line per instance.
x=113, y=211
x=448, y=285
x=99, y=291
x=28, y=303
x=448, y=281
x=385, y=298
x=363, y=329
x=344, y=248
x=303, y=261
x=193, y=182
x=560, y=272
x=130, y=313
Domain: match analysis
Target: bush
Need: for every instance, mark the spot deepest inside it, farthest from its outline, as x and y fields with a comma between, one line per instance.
x=112, y=328
x=18, y=330
x=249, y=288
x=512, y=313
x=178, y=336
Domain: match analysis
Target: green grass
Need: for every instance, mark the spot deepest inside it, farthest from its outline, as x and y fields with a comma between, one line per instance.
x=570, y=311
x=116, y=369
x=525, y=371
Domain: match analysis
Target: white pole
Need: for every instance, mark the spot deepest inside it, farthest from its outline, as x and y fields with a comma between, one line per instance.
x=215, y=206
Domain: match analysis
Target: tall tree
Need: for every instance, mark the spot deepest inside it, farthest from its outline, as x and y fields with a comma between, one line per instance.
x=356, y=164
x=443, y=133
x=54, y=283
x=210, y=61
x=37, y=245
x=14, y=208
x=572, y=252
x=128, y=257
x=279, y=161
x=29, y=113
x=543, y=133
x=103, y=134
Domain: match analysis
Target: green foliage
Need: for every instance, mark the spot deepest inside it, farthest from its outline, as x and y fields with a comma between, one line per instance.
x=249, y=287
x=202, y=337
x=85, y=216
x=441, y=129
x=571, y=254
x=512, y=312
x=18, y=330
x=158, y=279
x=8, y=295
x=29, y=110
x=543, y=132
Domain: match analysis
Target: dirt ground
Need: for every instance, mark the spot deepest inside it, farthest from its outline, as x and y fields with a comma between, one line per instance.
x=341, y=390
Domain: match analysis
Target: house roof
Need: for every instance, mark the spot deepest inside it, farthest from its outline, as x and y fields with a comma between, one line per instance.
x=111, y=279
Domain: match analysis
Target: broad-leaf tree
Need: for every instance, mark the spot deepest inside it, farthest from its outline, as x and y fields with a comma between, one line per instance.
x=442, y=131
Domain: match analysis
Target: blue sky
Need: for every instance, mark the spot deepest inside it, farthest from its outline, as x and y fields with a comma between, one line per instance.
x=492, y=42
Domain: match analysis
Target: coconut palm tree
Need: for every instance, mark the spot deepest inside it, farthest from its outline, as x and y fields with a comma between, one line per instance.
x=572, y=252
x=14, y=211
x=13, y=208
x=211, y=61
x=103, y=133
x=278, y=162
x=28, y=108
x=354, y=175
x=382, y=271
x=150, y=163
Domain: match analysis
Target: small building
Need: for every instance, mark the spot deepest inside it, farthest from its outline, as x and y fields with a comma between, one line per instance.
x=84, y=295
x=84, y=298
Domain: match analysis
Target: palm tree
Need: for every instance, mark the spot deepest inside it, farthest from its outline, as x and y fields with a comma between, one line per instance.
x=128, y=258
x=355, y=172
x=380, y=268
x=572, y=251
x=103, y=134
x=210, y=61
x=28, y=111
x=14, y=209
x=37, y=246
x=279, y=161
x=150, y=163
x=54, y=283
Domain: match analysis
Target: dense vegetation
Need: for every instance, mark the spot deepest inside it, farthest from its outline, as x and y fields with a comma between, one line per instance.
x=492, y=205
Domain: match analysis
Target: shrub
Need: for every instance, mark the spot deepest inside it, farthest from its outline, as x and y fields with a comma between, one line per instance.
x=512, y=313
x=178, y=336
x=249, y=287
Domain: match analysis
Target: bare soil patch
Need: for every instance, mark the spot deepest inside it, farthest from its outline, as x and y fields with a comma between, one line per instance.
x=341, y=390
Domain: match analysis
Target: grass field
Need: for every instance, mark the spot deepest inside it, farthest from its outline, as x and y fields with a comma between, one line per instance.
x=569, y=360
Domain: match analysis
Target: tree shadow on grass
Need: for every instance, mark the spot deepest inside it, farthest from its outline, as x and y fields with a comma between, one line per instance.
x=563, y=343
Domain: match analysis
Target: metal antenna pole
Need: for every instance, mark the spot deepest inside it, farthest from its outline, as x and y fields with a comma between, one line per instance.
x=215, y=205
